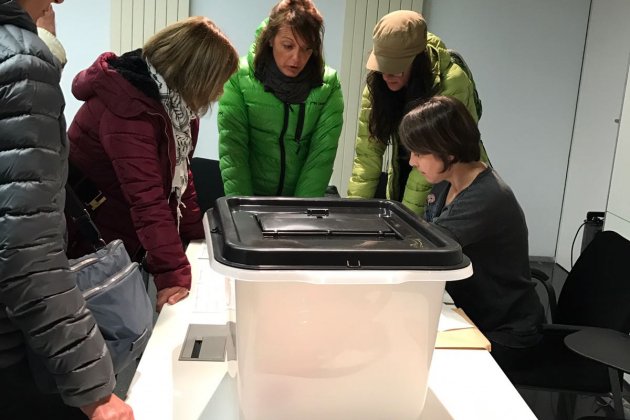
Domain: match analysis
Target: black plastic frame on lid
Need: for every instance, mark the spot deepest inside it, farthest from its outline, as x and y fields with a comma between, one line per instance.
x=284, y=233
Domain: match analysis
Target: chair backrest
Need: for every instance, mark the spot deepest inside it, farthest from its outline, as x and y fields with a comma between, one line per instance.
x=597, y=290
x=207, y=180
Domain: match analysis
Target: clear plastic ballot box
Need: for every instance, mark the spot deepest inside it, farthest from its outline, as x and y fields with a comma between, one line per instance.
x=337, y=304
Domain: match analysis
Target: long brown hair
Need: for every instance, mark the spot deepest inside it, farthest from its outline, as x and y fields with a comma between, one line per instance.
x=305, y=21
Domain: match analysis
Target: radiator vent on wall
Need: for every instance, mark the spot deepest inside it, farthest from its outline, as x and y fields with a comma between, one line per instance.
x=134, y=21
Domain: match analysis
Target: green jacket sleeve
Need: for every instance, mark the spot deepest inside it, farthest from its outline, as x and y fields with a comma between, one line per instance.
x=234, y=139
x=416, y=192
x=317, y=169
x=368, y=159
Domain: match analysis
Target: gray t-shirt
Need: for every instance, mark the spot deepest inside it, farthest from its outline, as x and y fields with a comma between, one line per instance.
x=489, y=224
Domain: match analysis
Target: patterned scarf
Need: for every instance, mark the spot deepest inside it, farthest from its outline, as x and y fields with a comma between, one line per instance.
x=180, y=116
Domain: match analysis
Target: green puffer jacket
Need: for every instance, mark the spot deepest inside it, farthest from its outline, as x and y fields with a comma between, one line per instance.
x=368, y=160
x=267, y=147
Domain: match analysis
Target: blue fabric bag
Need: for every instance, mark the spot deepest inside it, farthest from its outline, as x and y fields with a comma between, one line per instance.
x=113, y=288
x=115, y=293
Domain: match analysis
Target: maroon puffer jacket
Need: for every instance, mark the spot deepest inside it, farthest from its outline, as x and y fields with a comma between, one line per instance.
x=122, y=140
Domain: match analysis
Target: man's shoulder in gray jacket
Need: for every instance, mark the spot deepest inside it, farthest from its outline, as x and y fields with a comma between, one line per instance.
x=41, y=309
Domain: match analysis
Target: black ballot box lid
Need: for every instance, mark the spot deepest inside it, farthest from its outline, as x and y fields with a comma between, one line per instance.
x=278, y=233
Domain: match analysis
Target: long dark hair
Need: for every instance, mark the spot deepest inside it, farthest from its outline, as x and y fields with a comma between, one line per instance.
x=304, y=20
x=389, y=107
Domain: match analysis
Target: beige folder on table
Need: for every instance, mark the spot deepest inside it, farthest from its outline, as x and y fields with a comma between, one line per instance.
x=464, y=338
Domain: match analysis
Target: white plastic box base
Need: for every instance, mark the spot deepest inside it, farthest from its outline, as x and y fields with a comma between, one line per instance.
x=330, y=344
x=335, y=351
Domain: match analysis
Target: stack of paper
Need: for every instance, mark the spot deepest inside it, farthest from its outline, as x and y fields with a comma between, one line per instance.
x=452, y=320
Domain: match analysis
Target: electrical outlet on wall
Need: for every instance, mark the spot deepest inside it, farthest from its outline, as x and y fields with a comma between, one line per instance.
x=595, y=216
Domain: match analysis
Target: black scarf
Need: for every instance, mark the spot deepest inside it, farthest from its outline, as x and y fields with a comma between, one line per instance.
x=290, y=90
x=133, y=68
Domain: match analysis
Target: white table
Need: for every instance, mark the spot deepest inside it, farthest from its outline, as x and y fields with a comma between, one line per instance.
x=463, y=384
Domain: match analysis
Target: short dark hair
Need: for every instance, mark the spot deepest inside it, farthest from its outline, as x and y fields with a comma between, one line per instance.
x=441, y=126
x=306, y=22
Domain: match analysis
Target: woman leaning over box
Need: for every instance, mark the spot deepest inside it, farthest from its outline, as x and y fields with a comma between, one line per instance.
x=134, y=135
x=407, y=63
x=281, y=115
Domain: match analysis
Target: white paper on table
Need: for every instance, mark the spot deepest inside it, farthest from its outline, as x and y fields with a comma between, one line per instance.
x=451, y=320
x=214, y=292
x=446, y=298
x=203, y=252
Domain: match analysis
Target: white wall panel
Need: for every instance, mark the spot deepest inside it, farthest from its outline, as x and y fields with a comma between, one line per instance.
x=115, y=24
x=595, y=130
x=617, y=224
x=137, y=24
x=383, y=9
x=160, y=14
x=417, y=4
x=526, y=56
x=149, y=21
x=172, y=8
x=134, y=21
x=351, y=81
x=126, y=25
x=618, y=209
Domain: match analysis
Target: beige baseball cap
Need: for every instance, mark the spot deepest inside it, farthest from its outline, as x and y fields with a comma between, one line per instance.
x=397, y=38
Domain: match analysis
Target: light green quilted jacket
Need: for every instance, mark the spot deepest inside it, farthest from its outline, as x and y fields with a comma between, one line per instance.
x=369, y=152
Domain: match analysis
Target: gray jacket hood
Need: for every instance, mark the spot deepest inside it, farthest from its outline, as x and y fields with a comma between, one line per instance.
x=11, y=13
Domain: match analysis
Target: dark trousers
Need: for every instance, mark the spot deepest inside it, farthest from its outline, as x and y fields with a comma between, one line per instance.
x=20, y=399
x=509, y=358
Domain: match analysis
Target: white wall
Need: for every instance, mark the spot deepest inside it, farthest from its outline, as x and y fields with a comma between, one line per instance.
x=83, y=28
x=595, y=131
x=239, y=20
x=618, y=209
x=526, y=58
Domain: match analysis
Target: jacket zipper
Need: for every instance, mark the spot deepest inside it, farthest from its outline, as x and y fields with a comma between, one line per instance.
x=116, y=278
x=283, y=158
x=300, y=127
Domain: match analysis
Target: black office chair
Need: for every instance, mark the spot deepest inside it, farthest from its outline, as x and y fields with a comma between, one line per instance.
x=594, y=303
x=207, y=180
x=612, y=349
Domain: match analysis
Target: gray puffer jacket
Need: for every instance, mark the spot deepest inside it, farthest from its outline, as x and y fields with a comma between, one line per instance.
x=40, y=305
